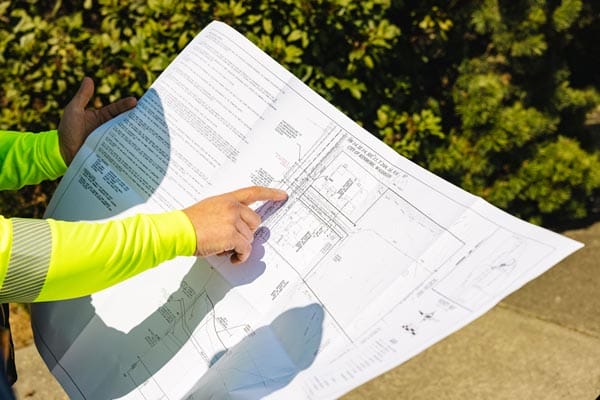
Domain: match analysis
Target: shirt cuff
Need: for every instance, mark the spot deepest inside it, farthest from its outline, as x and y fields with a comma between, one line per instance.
x=50, y=159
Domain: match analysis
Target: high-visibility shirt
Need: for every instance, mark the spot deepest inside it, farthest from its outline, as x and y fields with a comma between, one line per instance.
x=45, y=259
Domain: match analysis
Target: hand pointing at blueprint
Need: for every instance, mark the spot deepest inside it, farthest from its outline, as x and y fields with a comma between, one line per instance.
x=226, y=223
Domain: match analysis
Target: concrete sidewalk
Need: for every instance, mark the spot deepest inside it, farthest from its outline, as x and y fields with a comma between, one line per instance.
x=541, y=342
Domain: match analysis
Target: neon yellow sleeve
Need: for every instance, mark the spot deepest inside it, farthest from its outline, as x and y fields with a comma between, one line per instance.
x=28, y=158
x=43, y=260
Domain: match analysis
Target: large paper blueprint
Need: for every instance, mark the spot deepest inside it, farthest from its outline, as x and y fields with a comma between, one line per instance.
x=371, y=259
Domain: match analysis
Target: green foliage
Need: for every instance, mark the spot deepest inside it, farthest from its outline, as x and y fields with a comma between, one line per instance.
x=520, y=140
x=408, y=133
x=565, y=15
x=492, y=95
x=553, y=182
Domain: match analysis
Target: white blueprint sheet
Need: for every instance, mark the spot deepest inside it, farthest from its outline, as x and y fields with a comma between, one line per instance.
x=371, y=259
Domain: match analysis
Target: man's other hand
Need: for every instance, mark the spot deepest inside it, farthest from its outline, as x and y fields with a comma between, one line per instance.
x=78, y=122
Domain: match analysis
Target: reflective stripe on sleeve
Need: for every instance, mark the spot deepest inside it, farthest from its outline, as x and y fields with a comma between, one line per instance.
x=29, y=260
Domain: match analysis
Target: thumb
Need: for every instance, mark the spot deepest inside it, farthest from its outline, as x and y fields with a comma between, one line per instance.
x=84, y=94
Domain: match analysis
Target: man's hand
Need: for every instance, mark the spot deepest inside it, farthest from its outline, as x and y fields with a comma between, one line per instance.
x=78, y=122
x=225, y=223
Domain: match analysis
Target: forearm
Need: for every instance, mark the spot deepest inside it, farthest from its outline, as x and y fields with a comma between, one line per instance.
x=53, y=260
x=28, y=158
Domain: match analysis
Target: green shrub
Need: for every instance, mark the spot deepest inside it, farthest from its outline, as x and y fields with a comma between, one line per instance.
x=491, y=95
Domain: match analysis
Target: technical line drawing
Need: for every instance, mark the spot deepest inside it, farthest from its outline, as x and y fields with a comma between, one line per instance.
x=413, y=327
x=190, y=323
x=487, y=269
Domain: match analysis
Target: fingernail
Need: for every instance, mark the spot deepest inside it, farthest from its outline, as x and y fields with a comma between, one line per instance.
x=282, y=193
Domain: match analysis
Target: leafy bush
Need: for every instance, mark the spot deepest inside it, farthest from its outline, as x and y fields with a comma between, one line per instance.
x=491, y=95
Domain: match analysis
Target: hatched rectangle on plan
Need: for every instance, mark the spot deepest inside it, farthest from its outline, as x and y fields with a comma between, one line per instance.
x=349, y=188
x=303, y=238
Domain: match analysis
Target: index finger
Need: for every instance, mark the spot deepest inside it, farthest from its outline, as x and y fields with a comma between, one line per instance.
x=113, y=109
x=251, y=194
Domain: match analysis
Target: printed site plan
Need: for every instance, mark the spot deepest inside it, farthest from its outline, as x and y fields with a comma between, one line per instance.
x=371, y=260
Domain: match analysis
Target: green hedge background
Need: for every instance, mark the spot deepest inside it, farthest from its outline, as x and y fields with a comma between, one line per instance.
x=495, y=96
